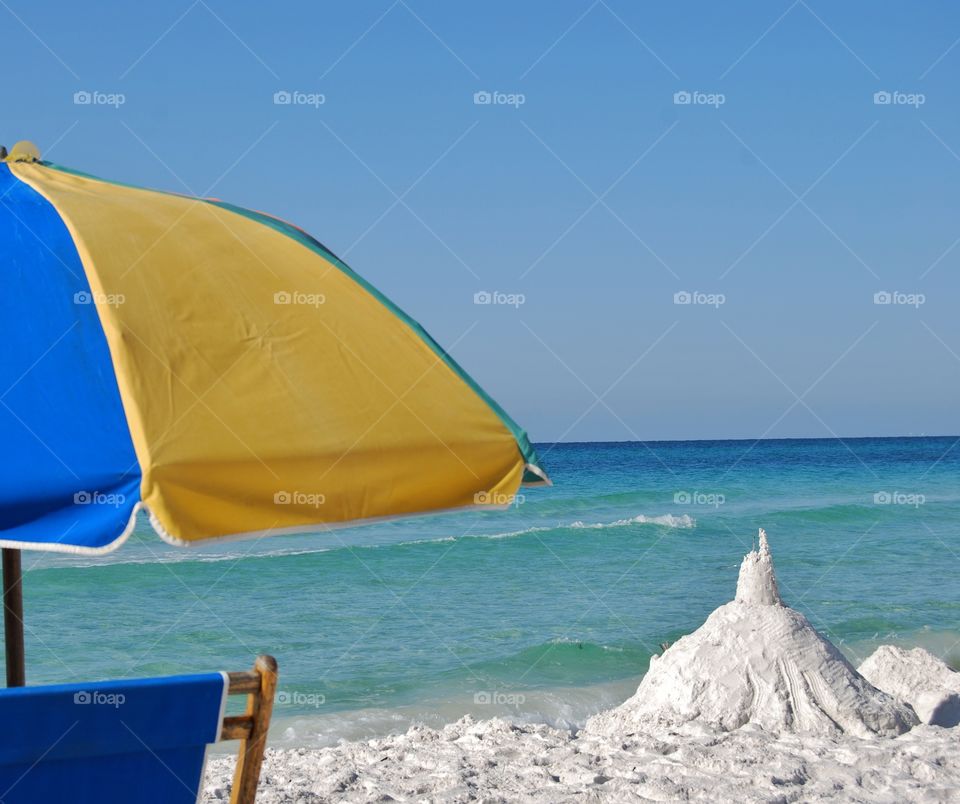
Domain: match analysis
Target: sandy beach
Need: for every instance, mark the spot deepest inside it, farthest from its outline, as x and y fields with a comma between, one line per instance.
x=495, y=761
x=753, y=706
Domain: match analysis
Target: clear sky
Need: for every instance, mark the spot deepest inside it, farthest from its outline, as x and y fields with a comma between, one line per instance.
x=583, y=189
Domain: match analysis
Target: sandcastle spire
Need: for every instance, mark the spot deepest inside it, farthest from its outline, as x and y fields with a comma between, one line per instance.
x=758, y=581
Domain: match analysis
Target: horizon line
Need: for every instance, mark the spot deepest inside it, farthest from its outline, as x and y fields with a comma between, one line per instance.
x=754, y=440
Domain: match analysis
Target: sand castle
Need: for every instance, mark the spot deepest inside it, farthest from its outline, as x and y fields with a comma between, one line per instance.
x=757, y=661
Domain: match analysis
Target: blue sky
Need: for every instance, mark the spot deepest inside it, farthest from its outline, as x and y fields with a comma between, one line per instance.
x=588, y=193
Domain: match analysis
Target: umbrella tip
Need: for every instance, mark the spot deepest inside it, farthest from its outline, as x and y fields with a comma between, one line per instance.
x=23, y=151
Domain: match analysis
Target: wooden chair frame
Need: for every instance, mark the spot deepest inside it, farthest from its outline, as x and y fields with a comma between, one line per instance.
x=260, y=686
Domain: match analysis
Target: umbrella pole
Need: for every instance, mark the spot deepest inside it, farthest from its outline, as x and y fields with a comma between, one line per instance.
x=13, y=618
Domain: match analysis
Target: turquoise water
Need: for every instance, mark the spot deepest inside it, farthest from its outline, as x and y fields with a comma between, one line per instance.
x=547, y=611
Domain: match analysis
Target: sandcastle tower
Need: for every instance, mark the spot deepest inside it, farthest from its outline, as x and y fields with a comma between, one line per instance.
x=758, y=582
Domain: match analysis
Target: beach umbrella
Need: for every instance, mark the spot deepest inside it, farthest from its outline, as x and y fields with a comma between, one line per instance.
x=217, y=368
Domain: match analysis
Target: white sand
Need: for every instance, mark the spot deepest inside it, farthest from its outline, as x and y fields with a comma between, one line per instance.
x=753, y=706
x=494, y=761
x=919, y=678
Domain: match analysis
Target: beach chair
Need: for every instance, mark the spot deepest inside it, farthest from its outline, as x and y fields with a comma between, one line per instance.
x=135, y=741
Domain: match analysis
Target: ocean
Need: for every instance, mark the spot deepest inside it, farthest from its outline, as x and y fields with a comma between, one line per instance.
x=546, y=612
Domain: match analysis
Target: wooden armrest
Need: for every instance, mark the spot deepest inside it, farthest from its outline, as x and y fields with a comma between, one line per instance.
x=259, y=685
